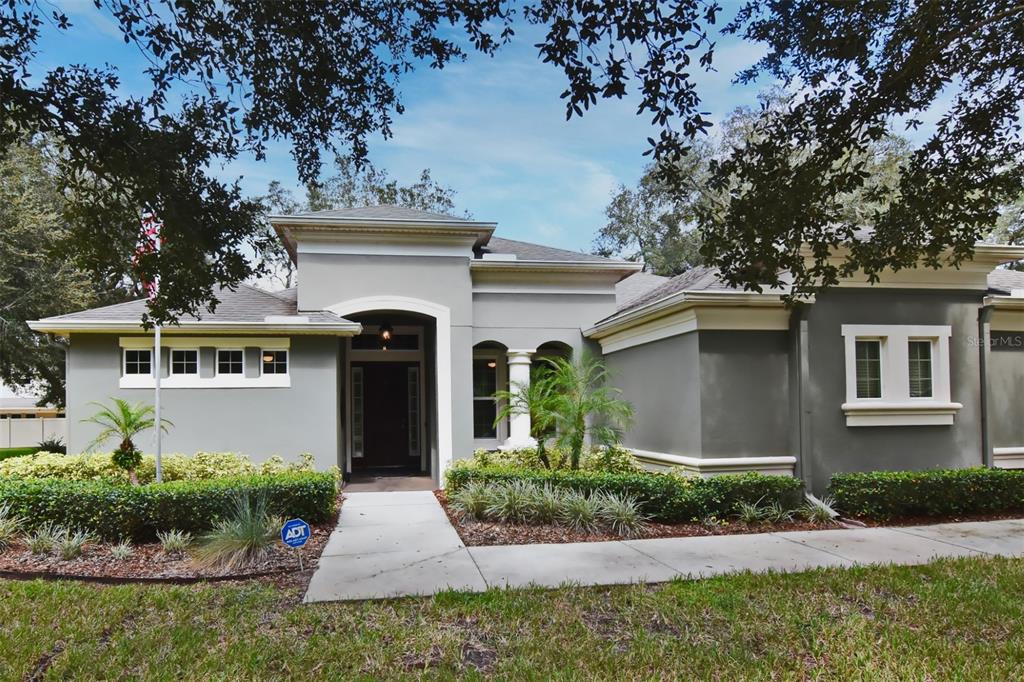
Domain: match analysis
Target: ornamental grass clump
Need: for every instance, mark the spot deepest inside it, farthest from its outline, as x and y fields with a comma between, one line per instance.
x=580, y=512
x=819, y=511
x=513, y=502
x=42, y=539
x=547, y=504
x=750, y=513
x=472, y=500
x=69, y=544
x=621, y=513
x=122, y=550
x=243, y=539
x=10, y=525
x=174, y=541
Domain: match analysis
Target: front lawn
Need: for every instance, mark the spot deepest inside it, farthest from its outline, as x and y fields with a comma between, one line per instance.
x=952, y=619
x=7, y=453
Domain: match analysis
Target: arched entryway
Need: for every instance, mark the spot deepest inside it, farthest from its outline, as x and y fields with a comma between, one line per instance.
x=396, y=404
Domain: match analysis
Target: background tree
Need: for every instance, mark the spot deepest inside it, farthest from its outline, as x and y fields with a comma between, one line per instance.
x=663, y=225
x=36, y=280
x=229, y=76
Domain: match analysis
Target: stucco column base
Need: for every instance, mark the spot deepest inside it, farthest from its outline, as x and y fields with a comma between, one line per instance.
x=518, y=444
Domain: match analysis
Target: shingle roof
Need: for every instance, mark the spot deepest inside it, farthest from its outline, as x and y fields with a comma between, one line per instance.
x=538, y=252
x=386, y=212
x=1003, y=282
x=635, y=286
x=245, y=304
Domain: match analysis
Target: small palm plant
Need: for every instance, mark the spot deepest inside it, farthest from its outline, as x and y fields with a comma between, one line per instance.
x=124, y=421
x=536, y=399
x=581, y=403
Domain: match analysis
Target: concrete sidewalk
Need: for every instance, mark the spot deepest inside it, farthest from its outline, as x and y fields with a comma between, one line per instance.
x=402, y=544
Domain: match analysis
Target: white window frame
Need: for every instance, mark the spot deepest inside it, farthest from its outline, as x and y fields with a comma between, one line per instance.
x=895, y=407
x=216, y=361
x=199, y=362
x=216, y=380
x=287, y=362
x=124, y=361
x=501, y=383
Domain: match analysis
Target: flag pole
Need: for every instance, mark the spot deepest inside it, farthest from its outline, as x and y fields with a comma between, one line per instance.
x=156, y=404
x=155, y=227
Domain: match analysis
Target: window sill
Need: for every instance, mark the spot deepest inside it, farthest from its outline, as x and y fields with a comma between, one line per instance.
x=914, y=413
x=222, y=381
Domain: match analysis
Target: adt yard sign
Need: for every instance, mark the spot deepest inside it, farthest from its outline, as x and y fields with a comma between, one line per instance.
x=295, y=533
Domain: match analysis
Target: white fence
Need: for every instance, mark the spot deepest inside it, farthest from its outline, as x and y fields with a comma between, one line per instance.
x=23, y=433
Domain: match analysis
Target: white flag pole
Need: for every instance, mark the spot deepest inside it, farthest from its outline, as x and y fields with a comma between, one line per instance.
x=156, y=404
x=156, y=366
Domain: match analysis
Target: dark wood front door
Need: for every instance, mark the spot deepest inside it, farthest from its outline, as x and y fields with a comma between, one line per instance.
x=386, y=415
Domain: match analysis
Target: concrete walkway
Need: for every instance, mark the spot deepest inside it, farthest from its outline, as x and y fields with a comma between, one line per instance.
x=401, y=544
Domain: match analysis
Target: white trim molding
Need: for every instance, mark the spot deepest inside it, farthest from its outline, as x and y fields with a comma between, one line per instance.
x=292, y=327
x=1008, y=458
x=443, y=319
x=266, y=343
x=782, y=465
x=688, y=312
x=895, y=406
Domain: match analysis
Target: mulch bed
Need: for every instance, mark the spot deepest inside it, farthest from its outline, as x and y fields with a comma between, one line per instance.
x=150, y=564
x=478, y=533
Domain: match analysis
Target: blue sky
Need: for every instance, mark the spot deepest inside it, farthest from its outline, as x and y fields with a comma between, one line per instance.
x=494, y=129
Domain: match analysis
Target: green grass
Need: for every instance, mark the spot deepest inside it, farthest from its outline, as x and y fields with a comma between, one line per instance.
x=7, y=453
x=954, y=619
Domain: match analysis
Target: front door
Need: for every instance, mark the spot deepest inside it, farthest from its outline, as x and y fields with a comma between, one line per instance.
x=388, y=408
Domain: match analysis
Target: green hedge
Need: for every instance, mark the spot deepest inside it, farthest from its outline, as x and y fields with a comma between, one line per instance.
x=113, y=511
x=942, y=492
x=667, y=498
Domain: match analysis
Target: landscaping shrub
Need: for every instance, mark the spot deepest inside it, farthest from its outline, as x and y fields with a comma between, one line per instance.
x=942, y=492
x=667, y=498
x=53, y=444
x=116, y=511
x=609, y=459
x=176, y=467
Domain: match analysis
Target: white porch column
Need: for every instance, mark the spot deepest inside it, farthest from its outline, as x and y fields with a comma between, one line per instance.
x=518, y=379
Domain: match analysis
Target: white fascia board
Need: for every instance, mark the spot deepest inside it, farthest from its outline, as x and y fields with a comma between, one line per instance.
x=188, y=327
x=370, y=222
x=625, y=267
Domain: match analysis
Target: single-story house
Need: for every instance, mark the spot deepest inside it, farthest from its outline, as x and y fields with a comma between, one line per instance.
x=405, y=322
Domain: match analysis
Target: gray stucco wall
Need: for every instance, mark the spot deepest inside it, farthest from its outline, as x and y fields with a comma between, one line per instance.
x=259, y=422
x=662, y=381
x=835, y=447
x=744, y=393
x=527, y=320
x=1006, y=388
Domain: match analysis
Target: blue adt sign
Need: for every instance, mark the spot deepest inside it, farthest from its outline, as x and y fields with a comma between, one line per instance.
x=295, y=533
